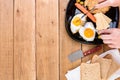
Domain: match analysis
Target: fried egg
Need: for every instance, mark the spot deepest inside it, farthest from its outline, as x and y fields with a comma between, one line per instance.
x=77, y=23
x=87, y=32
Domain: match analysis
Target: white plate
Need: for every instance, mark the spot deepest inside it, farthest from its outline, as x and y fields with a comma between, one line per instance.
x=75, y=73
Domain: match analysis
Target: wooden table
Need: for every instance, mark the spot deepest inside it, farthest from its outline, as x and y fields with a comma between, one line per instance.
x=34, y=44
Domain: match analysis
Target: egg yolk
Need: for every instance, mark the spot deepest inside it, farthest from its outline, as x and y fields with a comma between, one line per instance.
x=77, y=21
x=89, y=33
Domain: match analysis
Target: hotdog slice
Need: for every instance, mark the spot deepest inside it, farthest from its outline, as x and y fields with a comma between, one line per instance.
x=85, y=12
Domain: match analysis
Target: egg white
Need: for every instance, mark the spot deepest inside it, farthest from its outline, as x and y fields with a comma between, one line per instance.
x=82, y=29
x=75, y=28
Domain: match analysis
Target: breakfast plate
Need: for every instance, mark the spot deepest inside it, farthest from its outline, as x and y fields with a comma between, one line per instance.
x=71, y=11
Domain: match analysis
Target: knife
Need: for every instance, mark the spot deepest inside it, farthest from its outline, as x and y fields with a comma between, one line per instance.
x=79, y=54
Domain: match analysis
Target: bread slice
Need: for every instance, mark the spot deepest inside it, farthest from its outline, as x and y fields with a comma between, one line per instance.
x=94, y=58
x=114, y=66
x=108, y=56
x=102, y=21
x=106, y=18
x=90, y=71
x=98, y=22
x=104, y=65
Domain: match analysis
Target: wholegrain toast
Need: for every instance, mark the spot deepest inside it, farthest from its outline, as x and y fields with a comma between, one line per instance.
x=90, y=71
x=104, y=65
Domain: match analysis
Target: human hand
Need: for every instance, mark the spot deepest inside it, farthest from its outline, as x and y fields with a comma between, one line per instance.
x=104, y=3
x=111, y=37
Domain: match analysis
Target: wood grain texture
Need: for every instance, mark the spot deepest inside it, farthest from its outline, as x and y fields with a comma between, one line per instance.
x=106, y=48
x=47, y=39
x=24, y=40
x=34, y=44
x=6, y=39
x=67, y=45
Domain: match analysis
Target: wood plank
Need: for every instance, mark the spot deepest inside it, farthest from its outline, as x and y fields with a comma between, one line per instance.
x=24, y=40
x=106, y=48
x=6, y=39
x=47, y=37
x=67, y=45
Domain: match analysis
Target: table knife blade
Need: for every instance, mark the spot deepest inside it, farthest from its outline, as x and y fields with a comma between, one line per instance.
x=79, y=54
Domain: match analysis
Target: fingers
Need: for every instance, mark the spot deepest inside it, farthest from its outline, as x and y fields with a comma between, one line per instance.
x=107, y=41
x=110, y=37
x=103, y=4
x=105, y=31
x=105, y=37
x=111, y=46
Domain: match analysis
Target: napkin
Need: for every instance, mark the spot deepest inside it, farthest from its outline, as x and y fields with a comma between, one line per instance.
x=75, y=73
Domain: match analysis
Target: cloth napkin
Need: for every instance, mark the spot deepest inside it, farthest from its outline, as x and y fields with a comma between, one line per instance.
x=75, y=73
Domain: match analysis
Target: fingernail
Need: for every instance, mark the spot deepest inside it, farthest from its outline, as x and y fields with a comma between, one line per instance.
x=101, y=36
x=99, y=32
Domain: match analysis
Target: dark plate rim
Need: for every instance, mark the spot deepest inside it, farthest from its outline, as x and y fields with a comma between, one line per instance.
x=86, y=42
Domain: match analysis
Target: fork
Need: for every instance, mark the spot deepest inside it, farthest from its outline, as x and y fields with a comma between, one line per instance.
x=89, y=11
